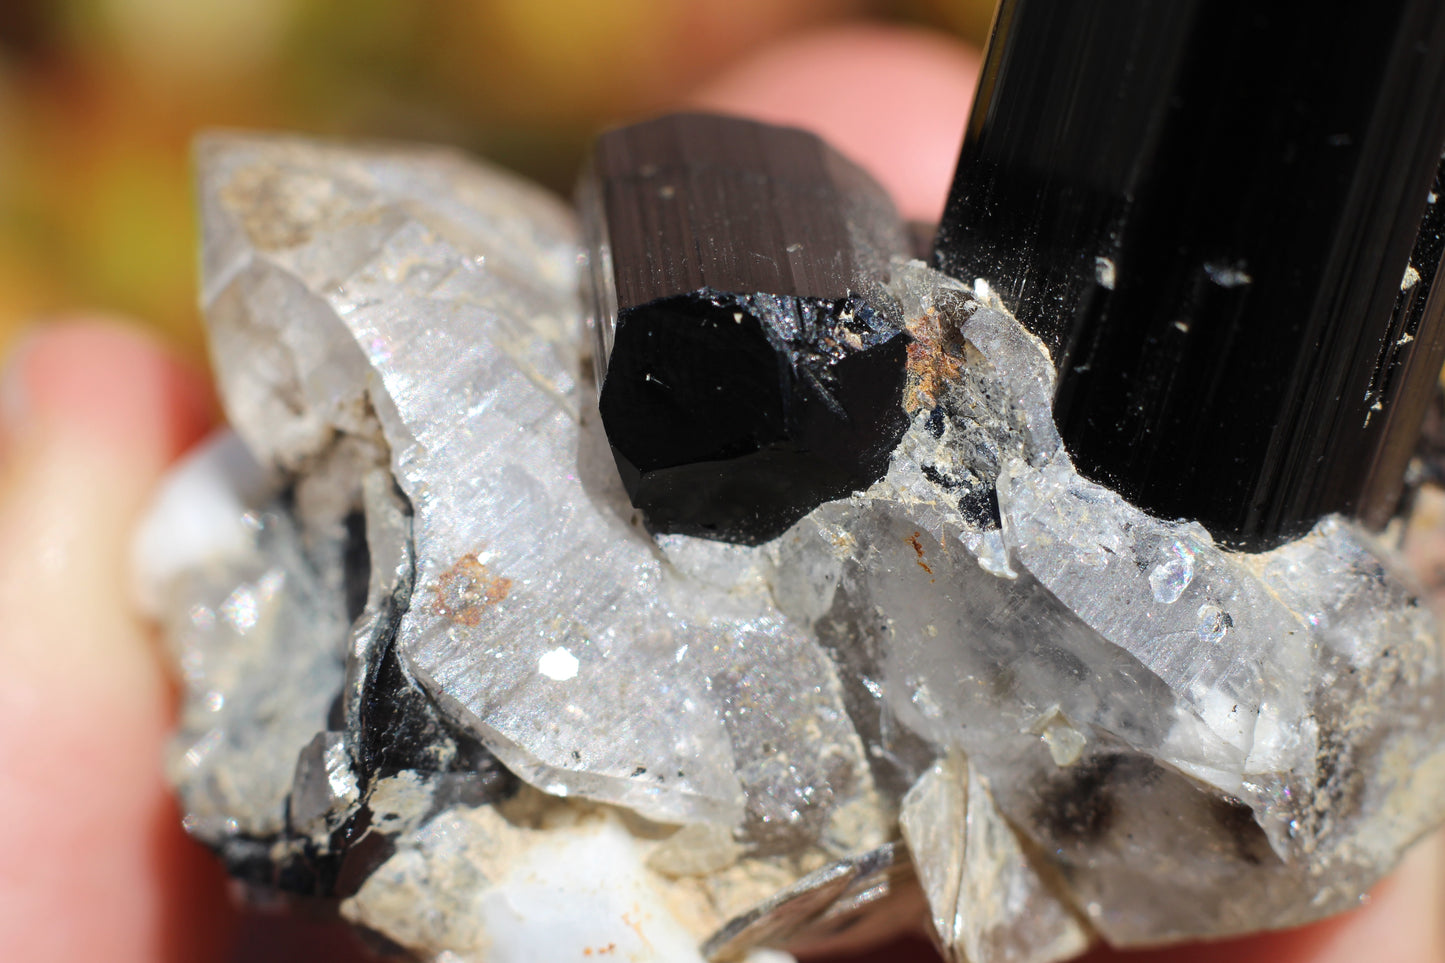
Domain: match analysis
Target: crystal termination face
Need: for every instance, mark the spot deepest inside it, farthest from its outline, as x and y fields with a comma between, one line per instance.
x=751, y=358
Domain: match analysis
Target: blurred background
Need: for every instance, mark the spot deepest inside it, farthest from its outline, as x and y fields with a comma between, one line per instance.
x=100, y=98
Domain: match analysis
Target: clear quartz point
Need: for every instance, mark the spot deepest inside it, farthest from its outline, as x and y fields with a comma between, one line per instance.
x=431, y=657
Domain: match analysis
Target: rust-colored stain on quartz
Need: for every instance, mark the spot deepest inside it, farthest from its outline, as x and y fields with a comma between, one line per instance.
x=936, y=356
x=466, y=590
x=918, y=549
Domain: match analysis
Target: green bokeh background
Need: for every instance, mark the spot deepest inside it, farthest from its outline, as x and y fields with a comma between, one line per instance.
x=100, y=98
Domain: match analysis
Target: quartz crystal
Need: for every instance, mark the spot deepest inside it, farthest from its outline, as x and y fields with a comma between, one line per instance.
x=439, y=674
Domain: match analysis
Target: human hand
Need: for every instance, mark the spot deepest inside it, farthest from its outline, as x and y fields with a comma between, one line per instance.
x=96, y=866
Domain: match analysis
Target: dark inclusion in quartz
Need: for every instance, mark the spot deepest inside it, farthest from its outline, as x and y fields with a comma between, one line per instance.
x=751, y=364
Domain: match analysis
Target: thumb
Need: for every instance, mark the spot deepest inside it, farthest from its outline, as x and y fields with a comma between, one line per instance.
x=90, y=414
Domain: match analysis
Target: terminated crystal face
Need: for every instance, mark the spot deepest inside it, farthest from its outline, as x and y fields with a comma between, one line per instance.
x=438, y=676
x=750, y=355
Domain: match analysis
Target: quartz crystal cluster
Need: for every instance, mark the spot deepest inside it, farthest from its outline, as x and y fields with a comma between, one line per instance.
x=439, y=675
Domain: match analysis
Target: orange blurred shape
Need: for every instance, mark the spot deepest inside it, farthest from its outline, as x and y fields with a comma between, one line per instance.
x=570, y=61
x=182, y=45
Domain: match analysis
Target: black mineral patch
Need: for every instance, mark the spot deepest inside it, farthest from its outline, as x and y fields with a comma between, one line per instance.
x=1077, y=805
x=752, y=363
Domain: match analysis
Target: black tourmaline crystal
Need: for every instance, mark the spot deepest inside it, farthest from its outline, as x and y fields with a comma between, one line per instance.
x=751, y=364
x=1221, y=217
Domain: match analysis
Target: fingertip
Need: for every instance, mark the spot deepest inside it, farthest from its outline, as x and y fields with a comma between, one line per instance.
x=894, y=99
x=91, y=411
x=1401, y=921
x=108, y=382
x=195, y=918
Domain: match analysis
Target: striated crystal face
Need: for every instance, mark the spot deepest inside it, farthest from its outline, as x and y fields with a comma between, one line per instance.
x=750, y=353
x=439, y=672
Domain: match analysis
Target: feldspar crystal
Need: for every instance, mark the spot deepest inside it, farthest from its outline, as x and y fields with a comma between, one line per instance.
x=749, y=352
x=438, y=675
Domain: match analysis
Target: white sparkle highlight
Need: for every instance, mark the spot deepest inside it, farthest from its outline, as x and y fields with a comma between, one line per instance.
x=558, y=665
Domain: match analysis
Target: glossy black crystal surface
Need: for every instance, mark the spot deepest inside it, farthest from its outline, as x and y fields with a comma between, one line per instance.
x=751, y=364
x=1218, y=214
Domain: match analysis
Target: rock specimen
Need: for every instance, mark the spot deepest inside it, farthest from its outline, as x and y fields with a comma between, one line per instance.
x=750, y=355
x=438, y=673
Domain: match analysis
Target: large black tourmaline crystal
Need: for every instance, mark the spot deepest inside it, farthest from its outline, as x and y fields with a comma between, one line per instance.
x=1221, y=217
x=751, y=365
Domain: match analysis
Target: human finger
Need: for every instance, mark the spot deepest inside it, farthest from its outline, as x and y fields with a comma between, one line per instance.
x=96, y=865
x=894, y=99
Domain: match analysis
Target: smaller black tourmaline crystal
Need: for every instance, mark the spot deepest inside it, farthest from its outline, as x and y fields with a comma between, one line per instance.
x=751, y=364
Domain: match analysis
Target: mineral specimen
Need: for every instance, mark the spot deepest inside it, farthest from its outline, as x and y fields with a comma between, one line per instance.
x=438, y=674
x=749, y=351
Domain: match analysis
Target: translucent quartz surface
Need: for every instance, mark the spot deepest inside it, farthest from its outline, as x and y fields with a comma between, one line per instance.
x=256, y=633
x=987, y=899
x=1091, y=722
x=1202, y=742
x=439, y=300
